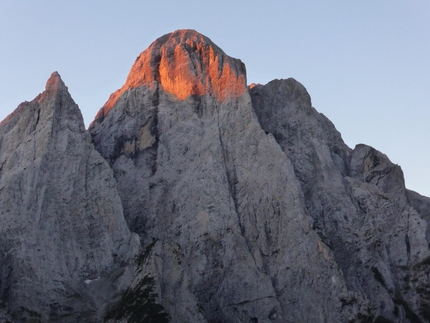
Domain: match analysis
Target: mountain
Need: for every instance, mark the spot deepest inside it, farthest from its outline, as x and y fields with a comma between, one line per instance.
x=195, y=198
x=62, y=220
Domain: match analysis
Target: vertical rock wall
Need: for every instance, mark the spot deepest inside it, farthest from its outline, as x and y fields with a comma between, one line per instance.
x=358, y=202
x=220, y=198
x=61, y=219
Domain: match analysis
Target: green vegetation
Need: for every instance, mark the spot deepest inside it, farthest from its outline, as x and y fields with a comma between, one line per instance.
x=138, y=305
x=26, y=315
x=141, y=258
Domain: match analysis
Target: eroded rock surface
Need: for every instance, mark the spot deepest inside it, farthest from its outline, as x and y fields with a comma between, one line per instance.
x=248, y=205
x=358, y=202
x=184, y=63
x=199, y=176
x=61, y=219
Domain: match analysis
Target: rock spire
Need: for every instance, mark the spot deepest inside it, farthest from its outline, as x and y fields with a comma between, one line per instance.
x=61, y=219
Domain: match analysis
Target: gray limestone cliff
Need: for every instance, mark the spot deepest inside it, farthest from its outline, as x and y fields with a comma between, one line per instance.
x=246, y=202
x=199, y=176
x=61, y=220
x=357, y=198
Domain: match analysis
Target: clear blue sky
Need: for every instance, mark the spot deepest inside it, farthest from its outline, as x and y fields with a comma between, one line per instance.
x=366, y=64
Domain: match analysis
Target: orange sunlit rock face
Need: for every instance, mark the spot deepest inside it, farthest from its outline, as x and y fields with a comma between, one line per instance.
x=53, y=84
x=186, y=63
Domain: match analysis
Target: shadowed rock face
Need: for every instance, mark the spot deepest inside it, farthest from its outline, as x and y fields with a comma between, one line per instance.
x=61, y=219
x=358, y=202
x=248, y=204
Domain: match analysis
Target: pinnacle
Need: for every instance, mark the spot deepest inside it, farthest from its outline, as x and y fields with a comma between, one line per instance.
x=54, y=82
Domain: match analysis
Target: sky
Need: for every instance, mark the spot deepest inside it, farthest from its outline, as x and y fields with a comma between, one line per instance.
x=365, y=64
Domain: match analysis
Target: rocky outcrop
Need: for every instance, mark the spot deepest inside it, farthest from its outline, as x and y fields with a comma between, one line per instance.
x=358, y=202
x=184, y=63
x=219, y=198
x=422, y=205
x=248, y=205
x=61, y=219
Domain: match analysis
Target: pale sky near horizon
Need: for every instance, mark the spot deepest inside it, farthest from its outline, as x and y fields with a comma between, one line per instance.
x=366, y=64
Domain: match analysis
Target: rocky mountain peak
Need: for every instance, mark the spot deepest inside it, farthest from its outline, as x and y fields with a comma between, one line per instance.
x=61, y=224
x=185, y=63
x=193, y=198
x=54, y=82
x=54, y=86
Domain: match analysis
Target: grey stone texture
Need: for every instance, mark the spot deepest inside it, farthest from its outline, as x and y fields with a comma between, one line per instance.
x=375, y=228
x=61, y=219
x=230, y=243
x=246, y=202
